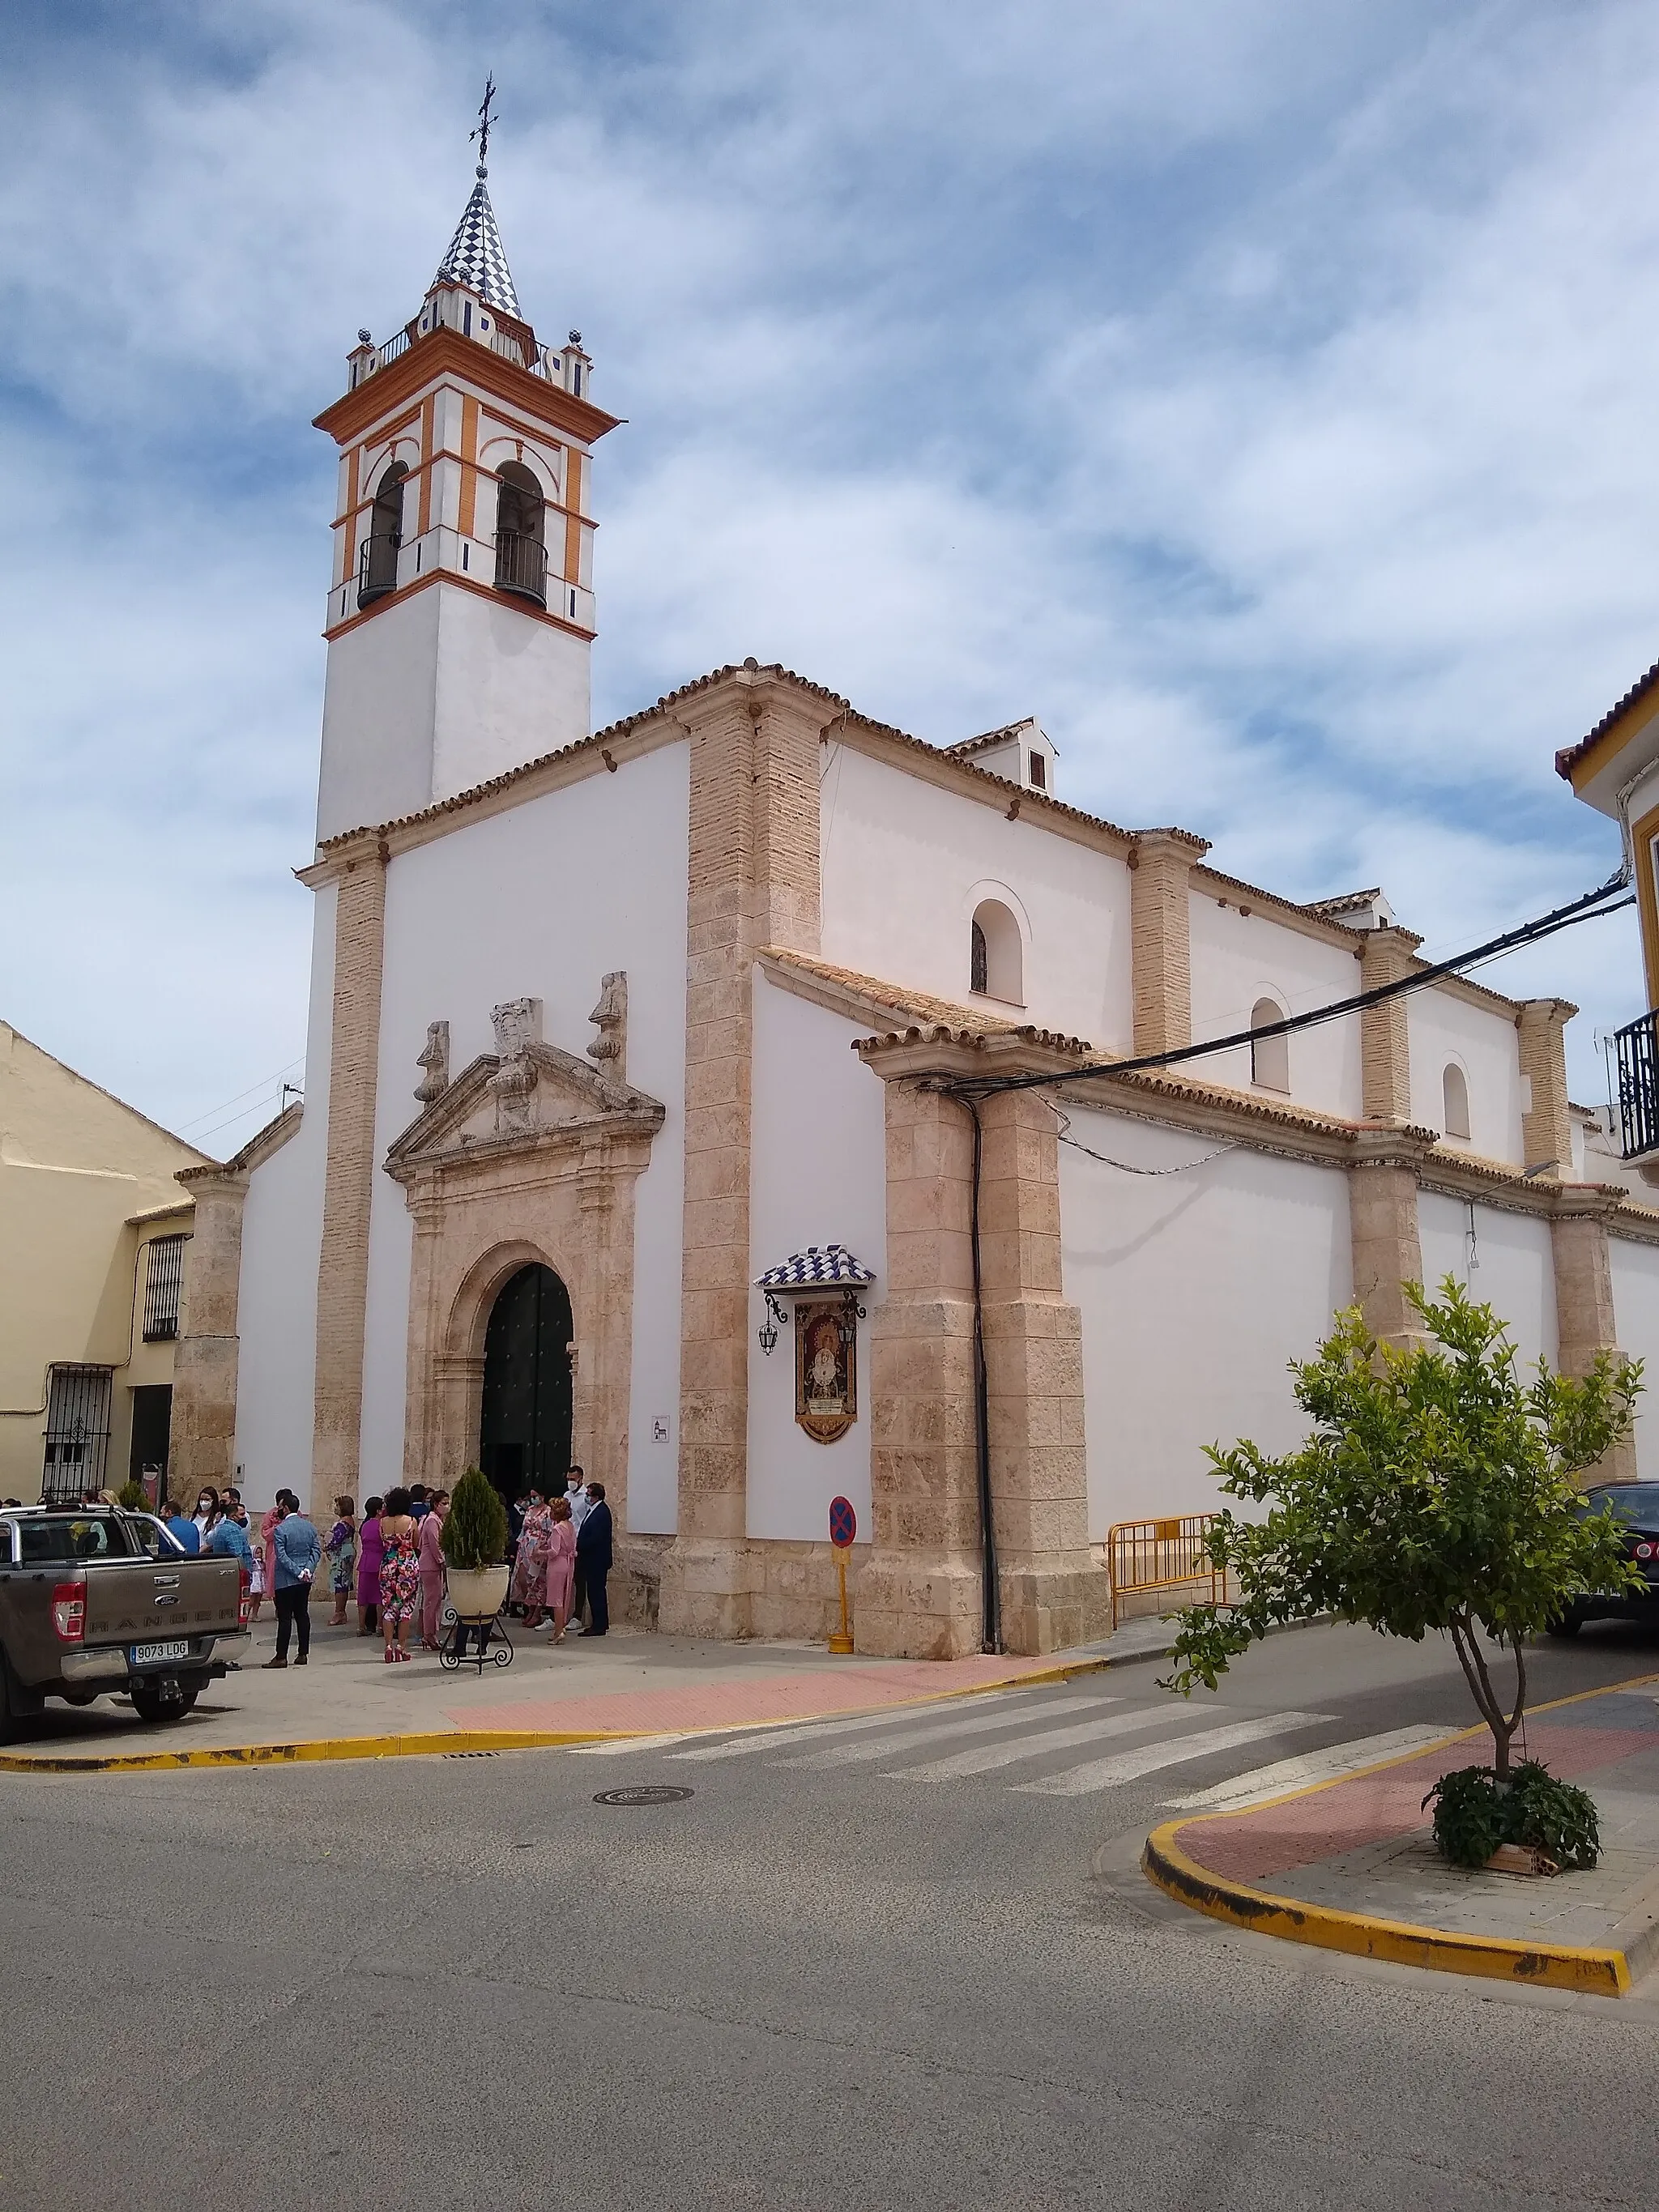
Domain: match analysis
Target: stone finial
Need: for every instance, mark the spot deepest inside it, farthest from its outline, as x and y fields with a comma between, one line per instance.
x=435, y=1061
x=518, y=1025
x=609, y=1050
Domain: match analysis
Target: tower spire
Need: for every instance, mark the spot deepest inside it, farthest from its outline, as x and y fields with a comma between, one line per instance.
x=476, y=257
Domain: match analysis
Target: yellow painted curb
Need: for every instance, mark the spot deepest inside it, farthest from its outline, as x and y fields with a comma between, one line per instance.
x=447, y=1742
x=1545, y=1965
x=1360, y=1934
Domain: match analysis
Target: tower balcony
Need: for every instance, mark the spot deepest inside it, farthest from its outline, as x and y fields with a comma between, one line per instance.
x=1637, y=1048
x=521, y=565
x=376, y=567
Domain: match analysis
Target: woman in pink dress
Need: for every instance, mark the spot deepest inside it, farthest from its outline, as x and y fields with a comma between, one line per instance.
x=431, y=1551
x=561, y=1565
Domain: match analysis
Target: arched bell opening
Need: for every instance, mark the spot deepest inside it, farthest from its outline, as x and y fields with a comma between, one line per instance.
x=520, y=527
x=377, y=563
x=525, y=1419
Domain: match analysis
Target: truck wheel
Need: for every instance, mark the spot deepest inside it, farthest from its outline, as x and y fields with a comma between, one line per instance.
x=8, y=1728
x=152, y=1707
x=1566, y=1624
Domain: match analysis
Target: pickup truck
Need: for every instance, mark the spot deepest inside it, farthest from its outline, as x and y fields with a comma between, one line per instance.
x=95, y=1600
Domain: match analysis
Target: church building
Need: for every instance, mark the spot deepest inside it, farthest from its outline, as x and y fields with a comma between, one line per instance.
x=657, y=1115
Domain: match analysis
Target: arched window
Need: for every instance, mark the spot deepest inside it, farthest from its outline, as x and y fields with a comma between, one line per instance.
x=996, y=957
x=1270, y=1056
x=1454, y=1096
x=377, y=566
x=520, y=523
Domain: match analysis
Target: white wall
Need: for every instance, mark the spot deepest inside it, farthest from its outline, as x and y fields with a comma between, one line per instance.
x=282, y=1236
x=1195, y=1288
x=1514, y=1270
x=1485, y=1043
x=378, y=689
x=818, y=1175
x=1237, y=959
x=509, y=688
x=541, y=903
x=904, y=864
x=1636, y=1314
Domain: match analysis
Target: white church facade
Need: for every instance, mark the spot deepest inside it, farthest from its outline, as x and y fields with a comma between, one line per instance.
x=647, y=1119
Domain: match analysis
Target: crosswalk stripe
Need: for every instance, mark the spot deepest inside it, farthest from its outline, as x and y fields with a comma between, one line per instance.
x=1148, y=1758
x=984, y=1758
x=765, y=1739
x=626, y=1743
x=856, y=1755
x=1337, y=1758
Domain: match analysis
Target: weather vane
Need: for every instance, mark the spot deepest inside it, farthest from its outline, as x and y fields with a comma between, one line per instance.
x=486, y=120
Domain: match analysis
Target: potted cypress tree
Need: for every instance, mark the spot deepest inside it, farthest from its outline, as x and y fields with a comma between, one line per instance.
x=474, y=1539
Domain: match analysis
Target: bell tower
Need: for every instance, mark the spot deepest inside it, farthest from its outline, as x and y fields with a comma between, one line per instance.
x=461, y=617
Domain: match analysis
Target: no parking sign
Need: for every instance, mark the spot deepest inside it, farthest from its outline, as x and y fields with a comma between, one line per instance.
x=843, y=1522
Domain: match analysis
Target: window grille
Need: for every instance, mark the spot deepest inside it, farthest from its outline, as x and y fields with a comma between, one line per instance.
x=979, y=960
x=163, y=1280
x=77, y=1433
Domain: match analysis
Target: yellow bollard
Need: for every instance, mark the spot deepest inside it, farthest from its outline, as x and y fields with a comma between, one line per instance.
x=841, y=1643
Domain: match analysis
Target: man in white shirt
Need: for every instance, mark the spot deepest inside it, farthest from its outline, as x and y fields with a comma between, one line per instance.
x=580, y=1506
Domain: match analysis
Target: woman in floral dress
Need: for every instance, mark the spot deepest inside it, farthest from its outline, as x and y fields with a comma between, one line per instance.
x=342, y=1549
x=400, y=1573
x=529, y=1588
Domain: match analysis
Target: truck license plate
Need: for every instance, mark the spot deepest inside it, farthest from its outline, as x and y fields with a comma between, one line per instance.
x=151, y=1655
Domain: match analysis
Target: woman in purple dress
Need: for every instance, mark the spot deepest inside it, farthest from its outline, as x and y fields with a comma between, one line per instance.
x=371, y=1544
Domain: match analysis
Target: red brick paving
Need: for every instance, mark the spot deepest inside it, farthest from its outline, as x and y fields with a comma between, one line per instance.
x=1325, y=1823
x=730, y=1703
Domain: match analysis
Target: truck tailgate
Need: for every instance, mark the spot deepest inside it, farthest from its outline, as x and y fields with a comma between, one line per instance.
x=135, y=1601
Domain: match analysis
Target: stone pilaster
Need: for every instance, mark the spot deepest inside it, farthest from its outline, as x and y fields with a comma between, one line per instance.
x=753, y=882
x=348, y=1176
x=1160, y=932
x=1384, y=1046
x=1545, y=1125
x=1053, y=1595
x=204, y=1361
x=1585, y=1323
x=1387, y=1253
x=919, y=1595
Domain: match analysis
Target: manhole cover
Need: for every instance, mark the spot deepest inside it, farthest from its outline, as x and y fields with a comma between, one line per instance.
x=643, y=1793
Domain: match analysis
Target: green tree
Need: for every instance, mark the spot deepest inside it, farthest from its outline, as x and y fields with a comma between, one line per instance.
x=1436, y=1492
x=475, y=1530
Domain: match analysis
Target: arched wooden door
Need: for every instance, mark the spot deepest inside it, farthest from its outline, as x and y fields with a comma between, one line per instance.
x=525, y=1431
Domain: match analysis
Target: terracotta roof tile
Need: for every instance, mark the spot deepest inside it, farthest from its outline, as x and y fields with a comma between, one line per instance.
x=1569, y=756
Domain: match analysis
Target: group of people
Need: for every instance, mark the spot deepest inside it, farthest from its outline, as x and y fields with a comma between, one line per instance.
x=391, y=1561
x=562, y=1554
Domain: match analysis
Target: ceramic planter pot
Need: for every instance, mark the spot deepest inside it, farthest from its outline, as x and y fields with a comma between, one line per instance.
x=477, y=1593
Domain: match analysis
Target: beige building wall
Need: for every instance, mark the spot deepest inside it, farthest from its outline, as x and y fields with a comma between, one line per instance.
x=85, y=1183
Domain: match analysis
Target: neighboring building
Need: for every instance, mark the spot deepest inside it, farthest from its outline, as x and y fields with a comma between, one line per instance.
x=624, y=1130
x=93, y=1235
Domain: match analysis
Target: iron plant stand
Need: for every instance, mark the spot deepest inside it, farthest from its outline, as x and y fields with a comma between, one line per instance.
x=494, y=1645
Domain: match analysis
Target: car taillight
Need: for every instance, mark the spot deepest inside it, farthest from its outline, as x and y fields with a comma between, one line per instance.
x=1644, y=1551
x=68, y=1611
x=245, y=1602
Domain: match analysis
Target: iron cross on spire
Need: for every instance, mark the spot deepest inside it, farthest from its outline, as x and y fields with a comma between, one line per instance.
x=486, y=121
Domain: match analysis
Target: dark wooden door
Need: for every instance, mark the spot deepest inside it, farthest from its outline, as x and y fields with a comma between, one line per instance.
x=525, y=1437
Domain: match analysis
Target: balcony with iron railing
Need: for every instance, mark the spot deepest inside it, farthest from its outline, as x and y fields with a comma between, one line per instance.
x=1636, y=1050
x=377, y=567
x=521, y=565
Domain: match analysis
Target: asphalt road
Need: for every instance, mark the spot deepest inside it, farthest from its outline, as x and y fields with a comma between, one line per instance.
x=861, y=1968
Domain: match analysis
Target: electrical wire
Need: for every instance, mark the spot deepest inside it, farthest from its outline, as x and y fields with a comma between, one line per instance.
x=1587, y=908
x=1182, y=1167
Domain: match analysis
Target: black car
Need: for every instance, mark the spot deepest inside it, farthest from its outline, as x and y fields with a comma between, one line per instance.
x=1636, y=1504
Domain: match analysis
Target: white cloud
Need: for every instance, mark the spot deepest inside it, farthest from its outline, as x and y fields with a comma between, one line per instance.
x=1256, y=392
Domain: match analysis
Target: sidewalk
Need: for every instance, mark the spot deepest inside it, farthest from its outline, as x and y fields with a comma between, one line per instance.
x=348, y=1703
x=1351, y=1865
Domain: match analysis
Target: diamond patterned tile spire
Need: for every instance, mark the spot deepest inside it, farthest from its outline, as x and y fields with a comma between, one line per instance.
x=476, y=258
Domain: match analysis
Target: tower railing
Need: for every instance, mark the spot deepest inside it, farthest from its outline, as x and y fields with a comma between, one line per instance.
x=376, y=567
x=1636, y=1046
x=521, y=565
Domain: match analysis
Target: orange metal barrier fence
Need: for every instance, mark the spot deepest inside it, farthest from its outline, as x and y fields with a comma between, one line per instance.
x=1157, y=1555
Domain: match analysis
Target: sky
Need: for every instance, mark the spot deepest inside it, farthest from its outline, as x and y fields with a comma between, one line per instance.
x=1257, y=392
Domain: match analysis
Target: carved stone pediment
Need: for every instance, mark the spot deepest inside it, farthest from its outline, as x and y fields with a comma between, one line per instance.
x=554, y=1101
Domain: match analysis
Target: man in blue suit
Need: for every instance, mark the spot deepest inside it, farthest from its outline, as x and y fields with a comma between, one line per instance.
x=594, y=1559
